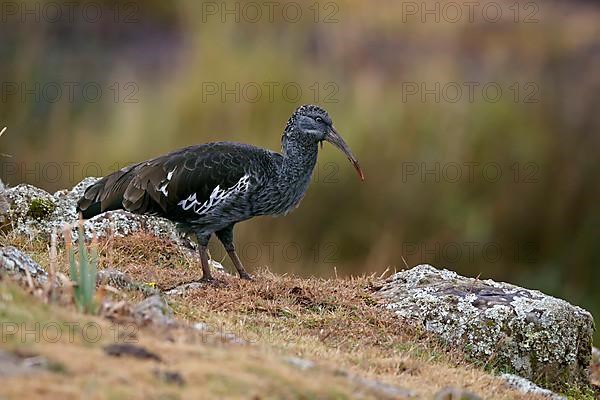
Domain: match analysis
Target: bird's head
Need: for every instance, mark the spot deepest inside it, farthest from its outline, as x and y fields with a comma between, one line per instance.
x=311, y=123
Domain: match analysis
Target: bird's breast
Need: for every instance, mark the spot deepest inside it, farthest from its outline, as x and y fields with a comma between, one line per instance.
x=281, y=198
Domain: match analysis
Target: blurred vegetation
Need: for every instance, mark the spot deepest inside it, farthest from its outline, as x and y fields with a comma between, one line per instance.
x=537, y=224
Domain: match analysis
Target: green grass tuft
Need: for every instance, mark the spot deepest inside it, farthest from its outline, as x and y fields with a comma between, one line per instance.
x=83, y=268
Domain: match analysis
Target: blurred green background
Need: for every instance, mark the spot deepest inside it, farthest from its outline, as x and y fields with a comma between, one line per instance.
x=478, y=127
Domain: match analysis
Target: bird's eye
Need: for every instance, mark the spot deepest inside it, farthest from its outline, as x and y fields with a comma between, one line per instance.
x=319, y=119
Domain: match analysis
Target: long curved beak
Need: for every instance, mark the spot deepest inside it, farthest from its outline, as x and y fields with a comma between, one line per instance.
x=334, y=138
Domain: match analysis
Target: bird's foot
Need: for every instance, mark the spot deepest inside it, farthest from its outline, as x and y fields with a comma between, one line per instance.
x=246, y=276
x=212, y=281
x=208, y=279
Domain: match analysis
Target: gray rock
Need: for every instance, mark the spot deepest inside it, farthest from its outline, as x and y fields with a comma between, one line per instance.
x=527, y=387
x=22, y=200
x=455, y=394
x=381, y=389
x=60, y=210
x=15, y=263
x=154, y=310
x=114, y=278
x=4, y=206
x=506, y=327
x=300, y=363
x=217, y=333
x=12, y=364
x=122, y=223
x=184, y=288
x=201, y=327
x=122, y=281
x=53, y=211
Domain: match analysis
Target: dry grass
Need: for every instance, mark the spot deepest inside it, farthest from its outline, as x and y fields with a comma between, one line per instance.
x=335, y=322
x=210, y=368
x=338, y=323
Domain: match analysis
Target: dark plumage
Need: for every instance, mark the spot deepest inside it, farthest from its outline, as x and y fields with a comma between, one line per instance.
x=208, y=188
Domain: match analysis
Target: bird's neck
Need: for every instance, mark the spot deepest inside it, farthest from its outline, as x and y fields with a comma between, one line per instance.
x=295, y=171
x=299, y=159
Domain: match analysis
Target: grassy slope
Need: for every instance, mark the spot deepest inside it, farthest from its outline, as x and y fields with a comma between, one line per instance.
x=336, y=323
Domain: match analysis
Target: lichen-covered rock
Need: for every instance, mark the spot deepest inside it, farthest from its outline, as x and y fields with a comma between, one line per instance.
x=154, y=310
x=34, y=212
x=122, y=281
x=511, y=329
x=122, y=223
x=16, y=264
x=527, y=387
x=21, y=216
x=4, y=206
x=114, y=278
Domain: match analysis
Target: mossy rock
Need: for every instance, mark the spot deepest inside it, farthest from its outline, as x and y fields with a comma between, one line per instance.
x=41, y=209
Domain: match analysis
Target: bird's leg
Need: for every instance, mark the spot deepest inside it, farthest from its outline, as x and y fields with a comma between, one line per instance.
x=192, y=248
x=238, y=264
x=203, y=250
x=226, y=238
x=206, y=275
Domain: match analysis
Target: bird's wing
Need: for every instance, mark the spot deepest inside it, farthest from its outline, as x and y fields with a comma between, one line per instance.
x=107, y=193
x=182, y=183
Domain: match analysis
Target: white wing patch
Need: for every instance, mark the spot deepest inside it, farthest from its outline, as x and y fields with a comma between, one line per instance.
x=217, y=196
x=170, y=174
x=163, y=187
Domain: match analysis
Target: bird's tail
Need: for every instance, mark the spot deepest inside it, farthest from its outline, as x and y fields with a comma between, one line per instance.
x=105, y=195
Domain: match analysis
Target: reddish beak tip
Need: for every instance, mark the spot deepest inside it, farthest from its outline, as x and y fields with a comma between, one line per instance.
x=359, y=171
